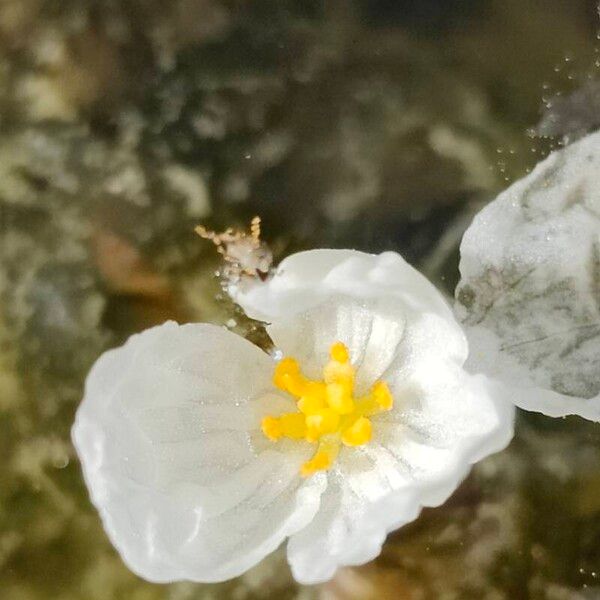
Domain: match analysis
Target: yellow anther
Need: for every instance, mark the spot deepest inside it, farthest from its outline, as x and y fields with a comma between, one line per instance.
x=382, y=395
x=339, y=398
x=291, y=425
x=311, y=404
x=323, y=458
x=378, y=400
x=339, y=353
x=321, y=423
x=319, y=462
x=272, y=429
x=329, y=413
x=338, y=372
x=358, y=433
x=287, y=376
x=287, y=367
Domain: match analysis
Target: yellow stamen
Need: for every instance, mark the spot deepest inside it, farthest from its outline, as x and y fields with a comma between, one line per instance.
x=292, y=425
x=382, y=395
x=272, y=429
x=339, y=353
x=339, y=398
x=323, y=458
x=311, y=404
x=321, y=423
x=287, y=376
x=358, y=433
x=329, y=413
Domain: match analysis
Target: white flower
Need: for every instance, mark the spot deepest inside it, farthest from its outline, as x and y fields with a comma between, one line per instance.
x=196, y=473
x=529, y=293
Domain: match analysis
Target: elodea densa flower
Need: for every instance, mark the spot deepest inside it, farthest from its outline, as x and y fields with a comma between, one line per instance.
x=203, y=453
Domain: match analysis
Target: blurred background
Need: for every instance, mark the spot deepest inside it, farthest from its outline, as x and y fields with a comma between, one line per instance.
x=371, y=124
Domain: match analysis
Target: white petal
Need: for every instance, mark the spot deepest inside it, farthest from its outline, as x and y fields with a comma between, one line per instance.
x=371, y=329
x=398, y=328
x=348, y=530
x=360, y=299
x=417, y=458
x=307, y=278
x=530, y=279
x=167, y=434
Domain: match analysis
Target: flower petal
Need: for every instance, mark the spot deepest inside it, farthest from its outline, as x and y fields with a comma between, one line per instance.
x=307, y=278
x=169, y=442
x=416, y=461
x=346, y=531
x=397, y=328
x=371, y=330
x=322, y=296
x=530, y=279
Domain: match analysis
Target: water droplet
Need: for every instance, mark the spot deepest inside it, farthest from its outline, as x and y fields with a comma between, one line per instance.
x=61, y=463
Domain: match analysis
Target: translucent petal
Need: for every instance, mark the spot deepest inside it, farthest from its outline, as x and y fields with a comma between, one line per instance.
x=168, y=435
x=363, y=300
x=397, y=328
x=371, y=330
x=346, y=531
x=307, y=278
x=530, y=279
x=418, y=457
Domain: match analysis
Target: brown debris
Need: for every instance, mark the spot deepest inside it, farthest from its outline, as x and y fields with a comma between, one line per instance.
x=244, y=253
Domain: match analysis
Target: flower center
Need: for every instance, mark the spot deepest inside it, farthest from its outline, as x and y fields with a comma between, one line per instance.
x=329, y=413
